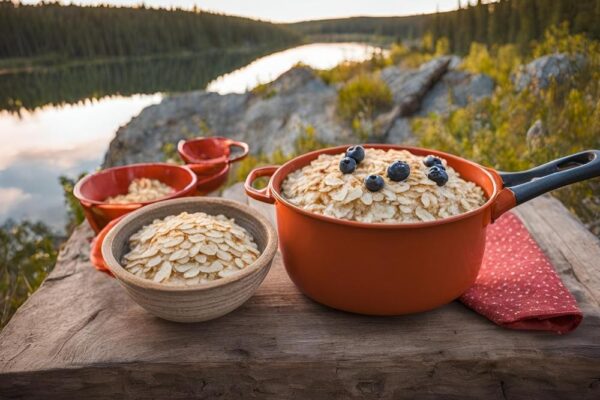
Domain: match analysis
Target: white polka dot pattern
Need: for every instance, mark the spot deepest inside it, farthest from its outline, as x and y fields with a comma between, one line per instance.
x=517, y=287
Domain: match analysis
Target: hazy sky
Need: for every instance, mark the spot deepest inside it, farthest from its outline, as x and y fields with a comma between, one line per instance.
x=294, y=10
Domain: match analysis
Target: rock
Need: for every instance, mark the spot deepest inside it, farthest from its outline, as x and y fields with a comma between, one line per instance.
x=408, y=89
x=535, y=134
x=236, y=192
x=293, y=102
x=410, y=86
x=539, y=73
x=456, y=89
x=400, y=132
x=299, y=99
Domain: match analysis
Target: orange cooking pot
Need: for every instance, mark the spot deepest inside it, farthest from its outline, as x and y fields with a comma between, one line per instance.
x=394, y=269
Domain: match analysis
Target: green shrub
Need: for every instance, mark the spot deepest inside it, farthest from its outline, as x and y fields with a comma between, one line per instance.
x=27, y=254
x=364, y=96
x=264, y=91
x=493, y=131
x=75, y=215
x=347, y=70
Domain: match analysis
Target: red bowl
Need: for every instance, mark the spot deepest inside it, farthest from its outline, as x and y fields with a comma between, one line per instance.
x=210, y=150
x=94, y=189
x=210, y=177
x=210, y=158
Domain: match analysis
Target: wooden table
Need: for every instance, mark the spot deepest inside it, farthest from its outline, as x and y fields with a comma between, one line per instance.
x=79, y=336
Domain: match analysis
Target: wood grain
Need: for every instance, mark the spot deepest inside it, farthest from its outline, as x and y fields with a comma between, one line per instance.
x=80, y=336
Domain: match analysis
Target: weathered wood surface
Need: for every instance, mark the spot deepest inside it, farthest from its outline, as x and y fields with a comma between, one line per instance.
x=80, y=336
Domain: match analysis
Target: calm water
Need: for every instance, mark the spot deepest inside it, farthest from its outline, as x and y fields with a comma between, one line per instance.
x=60, y=121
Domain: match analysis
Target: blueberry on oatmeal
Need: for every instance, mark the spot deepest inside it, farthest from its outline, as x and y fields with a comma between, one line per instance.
x=430, y=161
x=438, y=174
x=356, y=152
x=398, y=171
x=374, y=183
x=347, y=165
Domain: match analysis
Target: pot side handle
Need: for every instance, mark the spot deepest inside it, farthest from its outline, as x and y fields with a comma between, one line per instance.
x=263, y=195
x=523, y=186
x=245, y=150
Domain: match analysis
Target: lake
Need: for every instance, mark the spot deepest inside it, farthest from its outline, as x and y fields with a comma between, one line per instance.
x=59, y=121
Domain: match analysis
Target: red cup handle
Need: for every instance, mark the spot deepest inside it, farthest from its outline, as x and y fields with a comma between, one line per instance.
x=263, y=195
x=244, y=147
x=211, y=162
x=96, y=248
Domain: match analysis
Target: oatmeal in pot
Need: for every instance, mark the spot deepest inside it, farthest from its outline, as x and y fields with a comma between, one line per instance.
x=188, y=249
x=142, y=190
x=373, y=185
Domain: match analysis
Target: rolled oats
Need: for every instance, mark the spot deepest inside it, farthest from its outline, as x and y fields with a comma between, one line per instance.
x=141, y=190
x=322, y=188
x=180, y=249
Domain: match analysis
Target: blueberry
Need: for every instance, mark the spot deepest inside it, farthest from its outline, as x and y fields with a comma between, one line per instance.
x=438, y=175
x=356, y=152
x=398, y=171
x=347, y=165
x=374, y=183
x=430, y=161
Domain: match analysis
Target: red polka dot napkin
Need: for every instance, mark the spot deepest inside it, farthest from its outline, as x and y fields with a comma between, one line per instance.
x=517, y=287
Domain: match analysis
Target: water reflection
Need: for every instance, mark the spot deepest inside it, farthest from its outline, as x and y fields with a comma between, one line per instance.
x=266, y=69
x=60, y=121
x=71, y=84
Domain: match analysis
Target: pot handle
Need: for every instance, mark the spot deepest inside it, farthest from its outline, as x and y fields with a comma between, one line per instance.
x=263, y=195
x=242, y=145
x=523, y=186
x=96, y=258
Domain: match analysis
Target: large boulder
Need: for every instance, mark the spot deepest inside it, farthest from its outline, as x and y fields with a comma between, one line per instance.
x=296, y=100
x=410, y=86
x=455, y=88
x=542, y=71
x=276, y=115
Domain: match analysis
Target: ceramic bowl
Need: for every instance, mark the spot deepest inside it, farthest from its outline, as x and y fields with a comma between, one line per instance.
x=93, y=190
x=200, y=302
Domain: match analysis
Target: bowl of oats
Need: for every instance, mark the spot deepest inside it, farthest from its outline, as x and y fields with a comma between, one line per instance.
x=190, y=259
x=390, y=230
x=113, y=192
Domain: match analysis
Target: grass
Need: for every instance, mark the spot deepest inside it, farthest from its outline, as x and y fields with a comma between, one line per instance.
x=363, y=96
x=28, y=253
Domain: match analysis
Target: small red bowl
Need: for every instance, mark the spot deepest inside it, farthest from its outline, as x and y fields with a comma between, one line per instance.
x=210, y=150
x=210, y=177
x=94, y=189
x=210, y=158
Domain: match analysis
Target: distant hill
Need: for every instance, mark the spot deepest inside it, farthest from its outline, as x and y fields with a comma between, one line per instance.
x=400, y=27
x=505, y=21
x=105, y=31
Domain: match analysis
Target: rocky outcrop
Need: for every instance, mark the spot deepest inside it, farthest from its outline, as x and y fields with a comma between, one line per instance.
x=296, y=100
x=454, y=89
x=408, y=88
x=542, y=71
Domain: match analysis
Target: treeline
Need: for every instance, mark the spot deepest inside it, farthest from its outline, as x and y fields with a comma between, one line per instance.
x=505, y=21
x=400, y=27
x=513, y=21
x=92, y=32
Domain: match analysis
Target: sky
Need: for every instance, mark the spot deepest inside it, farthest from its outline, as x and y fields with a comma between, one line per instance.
x=293, y=10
